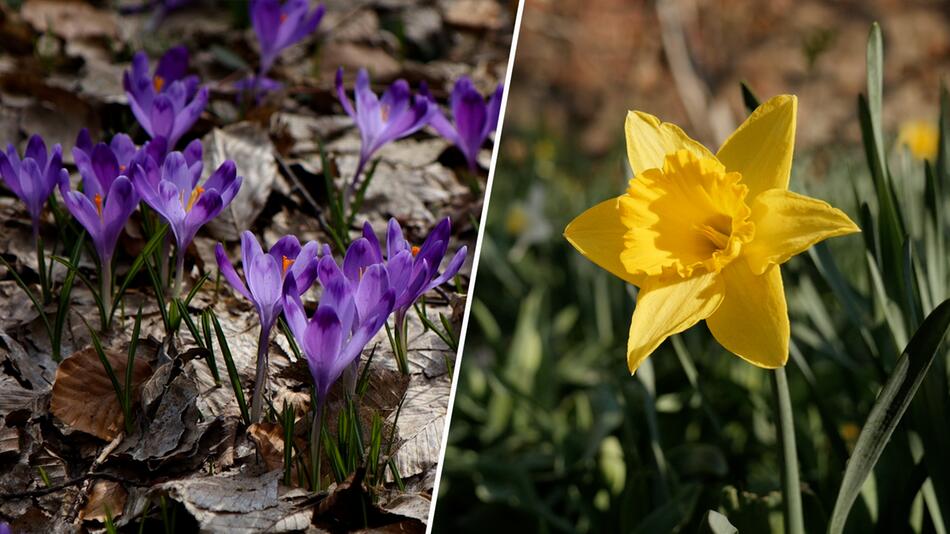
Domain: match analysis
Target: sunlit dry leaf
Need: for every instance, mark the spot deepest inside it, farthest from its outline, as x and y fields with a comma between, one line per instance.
x=9, y=440
x=412, y=505
x=475, y=14
x=252, y=151
x=269, y=438
x=83, y=397
x=420, y=424
x=106, y=499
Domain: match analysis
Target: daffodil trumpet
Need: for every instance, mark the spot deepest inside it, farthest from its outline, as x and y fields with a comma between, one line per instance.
x=703, y=235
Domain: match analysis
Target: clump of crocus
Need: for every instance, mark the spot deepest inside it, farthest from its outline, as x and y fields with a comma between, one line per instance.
x=32, y=179
x=172, y=190
x=106, y=201
x=381, y=120
x=277, y=27
x=335, y=336
x=413, y=270
x=264, y=274
x=474, y=119
x=703, y=235
x=168, y=102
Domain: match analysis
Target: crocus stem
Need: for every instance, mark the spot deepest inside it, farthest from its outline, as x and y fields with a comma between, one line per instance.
x=792, y=496
x=351, y=187
x=260, y=381
x=41, y=263
x=163, y=265
x=315, y=435
x=179, y=273
x=105, y=282
x=402, y=349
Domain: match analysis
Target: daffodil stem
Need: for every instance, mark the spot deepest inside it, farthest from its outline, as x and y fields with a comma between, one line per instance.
x=791, y=494
x=260, y=380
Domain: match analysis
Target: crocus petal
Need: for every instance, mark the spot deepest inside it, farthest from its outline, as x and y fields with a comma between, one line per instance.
x=207, y=207
x=395, y=242
x=222, y=177
x=649, y=141
x=341, y=94
x=372, y=287
x=761, y=148
x=322, y=342
x=375, y=320
x=494, y=109
x=293, y=309
x=450, y=270
x=400, y=270
x=162, y=118
x=664, y=309
x=10, y=174
x=250, y=249
x=120, y=203
x=175, y=171
x=443, y=126
x=193, y=152
x=421, y=274
x=358, y=258
x=598, y=234
x=285, y=247
x=337, y=294
x=84, y=140
x=752, y=321
x=227, y=269
x=471, y=116
x=264, y=281
x=787, y=224
x=173, y=65
x=370, y=235
x=188, y=116
x=36, y=149
x=104, y=164
x=82, y=209
x=124, y=149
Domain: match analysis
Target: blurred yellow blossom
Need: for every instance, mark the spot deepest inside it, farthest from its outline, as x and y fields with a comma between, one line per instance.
x=920, y=138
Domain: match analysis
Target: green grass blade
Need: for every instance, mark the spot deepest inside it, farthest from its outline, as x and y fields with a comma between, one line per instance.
x=26, y=289
x=189, y=322
x=232, y=370
x=140, y=261
x=206, y=328
x=110, y=372
x=62, y=310
x=888, y=409
x=133, y=346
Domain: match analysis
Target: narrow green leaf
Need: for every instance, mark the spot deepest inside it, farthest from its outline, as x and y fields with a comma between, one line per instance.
x=110, y=372
x=748, y=97
x=133, y=347
x=888, y=410
x=206, y=329
x=189, y=322
x=150, y=247
x=232, y=370
x=62, y=310
x=194, y=290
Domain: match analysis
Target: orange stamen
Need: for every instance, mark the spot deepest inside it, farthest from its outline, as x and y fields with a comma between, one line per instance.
x=287, y=263
x=98, y=200
x=283, y=17
x=158, y=82
x=415, y=251
x=384, y=111
x=122, y=168
x=194, y=196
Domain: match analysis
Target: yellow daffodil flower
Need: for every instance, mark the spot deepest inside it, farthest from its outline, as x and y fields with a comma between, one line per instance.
x=920, y=137
x=702, y=235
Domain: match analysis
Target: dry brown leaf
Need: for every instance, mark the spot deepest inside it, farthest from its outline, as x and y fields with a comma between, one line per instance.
x=69, y=20
x=83, y=397
x=249, y=146
x=269, y=438
x=9, y=440
x=106, y=499
x=475, y=14
x=420, y=424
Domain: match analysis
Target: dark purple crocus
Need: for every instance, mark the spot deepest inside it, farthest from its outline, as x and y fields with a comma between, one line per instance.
x=336, y=334
x=33, y=178
x=173, y=192
x=257, y=87
x=280, y=26
x=5, y=528
x=100, y=164
x=167, y=103
x=264, y=273
x=413, y=270
x=474, y=119
x=395, y=115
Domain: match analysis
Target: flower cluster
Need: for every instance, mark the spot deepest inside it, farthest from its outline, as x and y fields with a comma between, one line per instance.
x=358, y=295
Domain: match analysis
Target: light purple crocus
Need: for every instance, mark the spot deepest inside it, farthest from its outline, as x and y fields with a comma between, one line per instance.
x=173, y=192
x=167, y=103
x=100, y=164
x=279, y=26
x=474, y=119
x=5, y=528
x=264, y=273
x=33, y=178
x=381, y=120
x=345, y=321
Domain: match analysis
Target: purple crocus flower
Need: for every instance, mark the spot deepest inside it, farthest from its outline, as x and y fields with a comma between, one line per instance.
x=265, y=274
x=408, y=264
x=34, y=177
x=474, y=119
x=167, y=103
x=337, y=333
x=100, y=164
x=280, y=26
x=395, y=115
x=173, y=192
x=5, y=528
x=256, y=86
x=102, y=209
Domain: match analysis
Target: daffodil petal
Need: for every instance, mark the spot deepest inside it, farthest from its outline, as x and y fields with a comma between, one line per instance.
x=787, y=223
x=752, y=321
x=649, y=141
x=664, y=309
x=761, y=148
x=598, y=234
